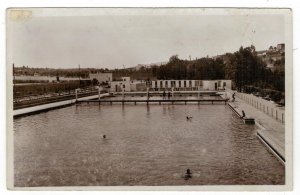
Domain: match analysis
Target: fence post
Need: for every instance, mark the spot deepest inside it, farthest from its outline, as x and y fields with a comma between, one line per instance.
x=148, y=94
x=99, y=92
x=272, y=112
x=123, y=93
x=76, y=94
x=173, y=92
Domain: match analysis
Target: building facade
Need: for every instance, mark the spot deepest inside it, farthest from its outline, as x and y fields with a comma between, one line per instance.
x=118, y=86
x=138, y=86
x=127, y=85
x=189, y=85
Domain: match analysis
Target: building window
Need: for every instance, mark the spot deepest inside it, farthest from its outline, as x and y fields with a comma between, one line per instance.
x=190, y=83
x=155, y=84
x=172, y=83
x=179, y=83
x=166, y=83
x=219, y=83
x=161, y=83
x=184, y=83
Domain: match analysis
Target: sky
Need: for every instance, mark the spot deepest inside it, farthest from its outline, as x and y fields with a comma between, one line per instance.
x=104, y=39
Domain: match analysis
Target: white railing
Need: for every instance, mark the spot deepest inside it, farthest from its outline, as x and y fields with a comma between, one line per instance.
x=268, y=107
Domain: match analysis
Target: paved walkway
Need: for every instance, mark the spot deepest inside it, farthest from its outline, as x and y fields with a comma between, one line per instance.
x=272, y=130
x=24, y=111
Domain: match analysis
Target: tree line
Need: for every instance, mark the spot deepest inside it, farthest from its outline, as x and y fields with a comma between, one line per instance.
x=243, y=67
x=246, y=70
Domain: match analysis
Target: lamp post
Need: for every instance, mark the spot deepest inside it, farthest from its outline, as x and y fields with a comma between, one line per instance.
x=79, y=74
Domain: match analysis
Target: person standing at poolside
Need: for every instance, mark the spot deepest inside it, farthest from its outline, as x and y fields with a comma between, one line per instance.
x=169, y=95
x=164, y=94
x=243, y=114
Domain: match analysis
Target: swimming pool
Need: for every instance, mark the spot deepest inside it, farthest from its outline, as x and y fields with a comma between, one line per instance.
x=145, y=145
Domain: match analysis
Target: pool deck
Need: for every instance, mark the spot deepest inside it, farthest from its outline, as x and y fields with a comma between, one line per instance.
x=270, y=131
x=160, y=101
x=54, y=105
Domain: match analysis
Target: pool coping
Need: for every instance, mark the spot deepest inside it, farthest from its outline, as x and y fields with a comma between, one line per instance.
x=268, y=144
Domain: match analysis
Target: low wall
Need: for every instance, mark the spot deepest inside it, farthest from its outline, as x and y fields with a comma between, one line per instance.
x=268, y=107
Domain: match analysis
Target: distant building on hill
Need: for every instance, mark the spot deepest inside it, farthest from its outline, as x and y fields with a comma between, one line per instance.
x=271, y=55
x=281, y=47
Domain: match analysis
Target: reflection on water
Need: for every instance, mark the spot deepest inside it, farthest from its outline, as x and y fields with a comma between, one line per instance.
x=145, y=145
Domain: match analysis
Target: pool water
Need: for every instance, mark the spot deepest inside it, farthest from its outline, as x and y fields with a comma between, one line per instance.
x=144, y=145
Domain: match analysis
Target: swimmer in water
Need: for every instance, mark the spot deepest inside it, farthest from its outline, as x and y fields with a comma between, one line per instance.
x=188, y=117
x=104, y=136
x=188, y=174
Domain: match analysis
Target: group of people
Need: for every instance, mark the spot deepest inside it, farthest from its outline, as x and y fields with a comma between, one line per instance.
x=165, y=94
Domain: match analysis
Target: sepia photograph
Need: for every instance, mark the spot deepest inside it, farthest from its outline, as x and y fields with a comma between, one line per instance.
x=149, y=97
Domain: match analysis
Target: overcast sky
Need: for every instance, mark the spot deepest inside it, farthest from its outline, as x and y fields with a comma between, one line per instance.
x=111, y=41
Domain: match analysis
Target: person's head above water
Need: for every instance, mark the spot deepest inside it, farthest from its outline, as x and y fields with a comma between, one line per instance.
x=188, y=171
x=104, y=136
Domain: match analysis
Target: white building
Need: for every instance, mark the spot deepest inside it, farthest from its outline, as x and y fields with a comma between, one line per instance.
x=216, y=84
x=101, y=77
x=125, y=78
x=189, y=85
x=138, y=86
x=127, y=85
x=118, y=86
